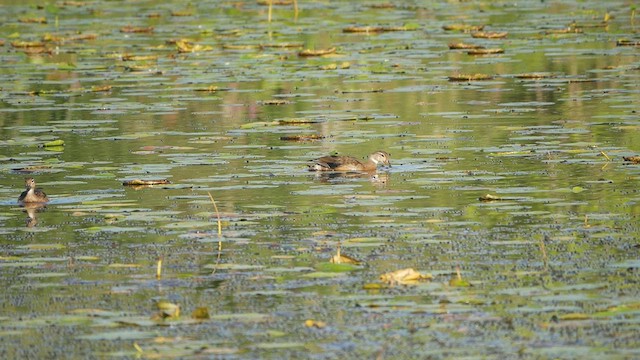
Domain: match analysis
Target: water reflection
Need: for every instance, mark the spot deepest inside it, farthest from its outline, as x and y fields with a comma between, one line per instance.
x=379, y=180
x=32, y=209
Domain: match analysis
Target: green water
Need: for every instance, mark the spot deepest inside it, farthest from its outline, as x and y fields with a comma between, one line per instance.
x=553, y=264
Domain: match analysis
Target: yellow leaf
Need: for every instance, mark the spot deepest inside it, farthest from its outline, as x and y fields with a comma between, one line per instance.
x=404, y=277
x=314, y=323
x=168, y=309
x=574, y=316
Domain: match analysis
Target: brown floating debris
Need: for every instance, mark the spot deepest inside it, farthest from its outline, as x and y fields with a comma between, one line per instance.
x=52, y=38
x=129, y=57
x=79, y=37
x=470, y=77
x=465, y=46
x=60, y=39
x=136, y=182
x=294, y=121
x=36, y=50
x=375, y=29
x=489, y=197
x=32, y=169
x=627, y=42
x=136, y=29
x=485, y=51
x=26, y=44
x=211, y=88
x=632, y=159
x=101, y=88
x=239, y=47
x=489, y=35
x=533, y=76
x=301, y=137
x=320, y=52
x=185, y=46
x=363, y=29
x=463, y=27
x=34, y=20
x=274, y=102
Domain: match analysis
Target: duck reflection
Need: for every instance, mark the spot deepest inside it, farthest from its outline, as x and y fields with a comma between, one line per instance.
x=32, y=209
x=378, y=179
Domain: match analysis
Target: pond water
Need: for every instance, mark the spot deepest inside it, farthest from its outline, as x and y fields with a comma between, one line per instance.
x=512, y=192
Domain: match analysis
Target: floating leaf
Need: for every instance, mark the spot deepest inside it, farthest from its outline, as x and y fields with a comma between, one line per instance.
x=463, y=27
x=470, y=77
x=168, y=309
x=489, y=35
x=464, y=46
x=315, y=324
x=404, y=277
x=136, y=29
x=319, y=52
x=201, y=313
x=485, y=51
x=54, y=143
x=574, y=316
x=489, y=197
x=136, y=182
x=37, y=20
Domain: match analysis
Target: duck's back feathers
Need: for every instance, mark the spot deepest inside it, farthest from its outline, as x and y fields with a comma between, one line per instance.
x=337, y=163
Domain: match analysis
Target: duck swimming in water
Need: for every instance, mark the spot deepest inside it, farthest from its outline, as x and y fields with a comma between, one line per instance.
x=349, y=163
x=31, y=194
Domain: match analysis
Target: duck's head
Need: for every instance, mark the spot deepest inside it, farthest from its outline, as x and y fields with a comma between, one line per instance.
x=380, y=157
x=29, y=183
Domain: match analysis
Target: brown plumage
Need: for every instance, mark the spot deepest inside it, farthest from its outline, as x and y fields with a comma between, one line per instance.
x=31, y=194
x=348, y=163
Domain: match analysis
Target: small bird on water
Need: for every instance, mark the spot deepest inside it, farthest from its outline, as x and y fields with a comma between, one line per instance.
x=31, y=194
x=349, y=163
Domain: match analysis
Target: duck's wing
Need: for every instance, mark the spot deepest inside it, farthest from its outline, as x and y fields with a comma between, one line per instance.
x=325, y=163
x=23, y=195
x=337, y=163
x=41, y=195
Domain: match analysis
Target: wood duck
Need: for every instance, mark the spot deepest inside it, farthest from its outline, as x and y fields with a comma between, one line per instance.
x=31, y=194
x=348, y=163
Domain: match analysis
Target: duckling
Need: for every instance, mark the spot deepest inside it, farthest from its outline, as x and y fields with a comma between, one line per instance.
x=349, y=163
x=31, y=194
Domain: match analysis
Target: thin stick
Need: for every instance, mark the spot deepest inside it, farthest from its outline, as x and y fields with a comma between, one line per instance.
x=543, y=250
x=217, y=214
x=270, y=6
x=219, y=232
x=159, y=268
